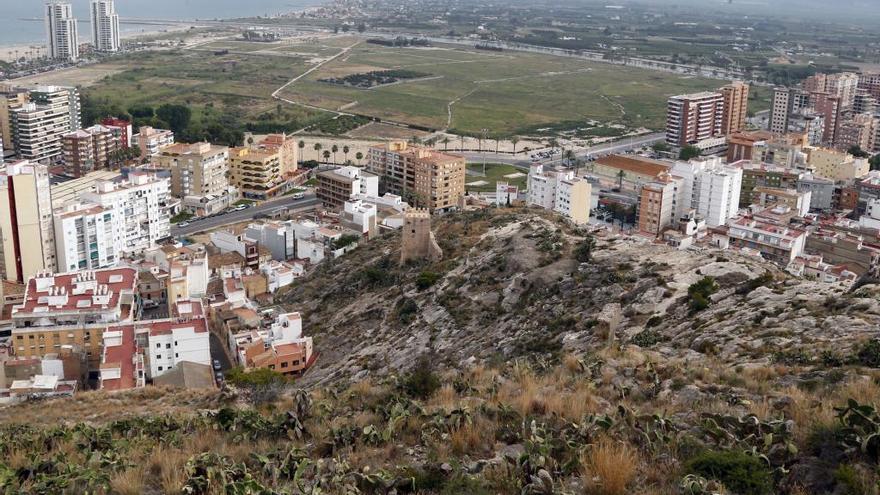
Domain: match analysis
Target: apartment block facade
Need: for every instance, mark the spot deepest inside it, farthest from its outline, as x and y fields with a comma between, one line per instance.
x=256, y=173
x=736, y=107
x=62, y=34
x=560, y=191
x=694, y=118
x=196, y=169
x=26, y=234
x=105, y=26
x=422, y=176
x=339, y=185
x=37, y=126
x=89, y=149
x=151, y=141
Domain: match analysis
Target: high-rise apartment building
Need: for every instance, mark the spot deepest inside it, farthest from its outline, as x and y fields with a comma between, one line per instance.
x=196, y=169
x=423, y=176
x=870, y=82
x=693, y=118
x=61, y=31
x=786, y=103
x=560, y=191
x=37, y=126
x=26, y=234
x=152, y=141
x=256, y=172
x=11, y=98
x=860, y=131
x=711, y=188
x=105, y=26
x=87, y=237
x=660, y=204
x=736, y=107
x=142, y=208
x=89, y=149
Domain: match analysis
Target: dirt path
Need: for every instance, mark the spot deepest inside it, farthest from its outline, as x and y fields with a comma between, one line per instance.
x=453, y=102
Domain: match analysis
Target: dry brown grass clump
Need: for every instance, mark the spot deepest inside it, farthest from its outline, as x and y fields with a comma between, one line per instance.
x=477, y=436
x=128, y=482
x=609, y=467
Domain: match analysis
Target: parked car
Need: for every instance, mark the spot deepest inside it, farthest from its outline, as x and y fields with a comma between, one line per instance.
x=298, y=195
x=183, y=224
x=217, y=365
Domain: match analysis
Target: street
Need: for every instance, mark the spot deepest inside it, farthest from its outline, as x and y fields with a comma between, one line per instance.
x=267, y=208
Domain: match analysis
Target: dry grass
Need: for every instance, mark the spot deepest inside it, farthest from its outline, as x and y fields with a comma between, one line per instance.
x=168, y=466
x=128, y=482
x=475, y=437
x=612, y=465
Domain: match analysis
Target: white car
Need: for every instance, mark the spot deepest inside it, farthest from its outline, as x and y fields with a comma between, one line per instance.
x=298, y=195
x=183, y=224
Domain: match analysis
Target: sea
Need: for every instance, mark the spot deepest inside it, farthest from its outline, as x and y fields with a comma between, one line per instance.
x=21, y=20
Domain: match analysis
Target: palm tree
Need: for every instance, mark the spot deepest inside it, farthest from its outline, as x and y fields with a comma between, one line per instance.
x=345, y=150
x=415, y=141
x=335, y=149
x=514, y=140
x=302, y=146
x=553, y=143
x=569, y=156
x=359, y=156
x=460, y=143
x=445, y=143
x=318, y=149
x=326, y=155
x=620, y=176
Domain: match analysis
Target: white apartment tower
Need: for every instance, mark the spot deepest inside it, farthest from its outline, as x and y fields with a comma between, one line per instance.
x=87, y=237
x=61, y=31
x=105, y=26
x=711, y=188
x=37, y=127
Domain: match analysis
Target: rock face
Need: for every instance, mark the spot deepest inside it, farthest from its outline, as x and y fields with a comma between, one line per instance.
x=510, y=286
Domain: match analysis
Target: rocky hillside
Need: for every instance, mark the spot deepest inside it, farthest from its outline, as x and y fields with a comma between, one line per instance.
x=534, y=359
x=511, y=286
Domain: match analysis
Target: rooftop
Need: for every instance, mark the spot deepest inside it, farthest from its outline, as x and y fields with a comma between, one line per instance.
x=635, y=164
x=76, y=292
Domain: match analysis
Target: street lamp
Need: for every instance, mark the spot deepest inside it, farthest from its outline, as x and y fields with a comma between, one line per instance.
x=483, y=134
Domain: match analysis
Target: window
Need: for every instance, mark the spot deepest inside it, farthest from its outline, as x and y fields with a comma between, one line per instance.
x=158, y=356
x=176, y=355
x=158, y=346
x=284, y=364
x=168, y=345
x=160, y=368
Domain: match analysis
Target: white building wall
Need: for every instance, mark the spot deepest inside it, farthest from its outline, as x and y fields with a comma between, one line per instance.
x=182, y=344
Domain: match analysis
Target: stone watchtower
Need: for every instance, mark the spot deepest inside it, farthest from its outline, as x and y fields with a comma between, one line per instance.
x=418, y=241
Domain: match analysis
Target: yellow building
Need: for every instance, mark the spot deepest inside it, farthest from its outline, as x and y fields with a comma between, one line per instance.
x=10, y=98
x=422, y=176
x=836, y=165
x=256, y=173
x=27, y=234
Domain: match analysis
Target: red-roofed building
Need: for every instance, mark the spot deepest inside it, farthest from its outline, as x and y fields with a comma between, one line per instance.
x=122, y=363
x=282, y=348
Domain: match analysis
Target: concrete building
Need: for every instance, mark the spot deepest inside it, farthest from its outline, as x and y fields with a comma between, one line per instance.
x=141, y=204
x=560, y=191
x=256, y=173
x=282, y=348
x=711, y=188
x=72, y=309
x=26, y=234
x=694, y=119
x=776, y=242
x=198, y=169
x=746, y=145
x=821, y=191
x=87, y=237
x=736, y=107
x=360, y=217
x=870, y=83
x=843, y=247
x=659, y=204
x=278, y=237
x=62, y=35
x=843, y=85
x=105, y=26
x=286, y=147
x=11, y=98
x=836, y=165
x=89, y=149
x=37, y=126
x=765, y=175
x=339, y=185
x=422, y=176
x=799, y=202
x=860, y=130
x=151, y=141
x=417, y=241
x=184, y=337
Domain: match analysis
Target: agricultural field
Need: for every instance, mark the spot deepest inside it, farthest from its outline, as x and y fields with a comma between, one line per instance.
x=504, y=92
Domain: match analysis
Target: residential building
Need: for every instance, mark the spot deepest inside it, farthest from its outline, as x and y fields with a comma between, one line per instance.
x=432, y=179
x=89, y=149
x=786, y=101
x=799, y=202
x=38, y=125
x=744, y=145
x=282, y=348
x=184, y=337
x=122, y=360
x=141, y=204
x=711, y=188
x=560, y=191
x=870, y=83
x=360, y=217
x=151, y=141
x=339, y=185
x=121, y=130
x=694, y=119
x=72, y=309
x=736, y=106
x=67, y=192
x=765, y=175
x=87, y=237
x=105, y=26
x=281, y=274
x=202, y=206
x=278, y=237
x=831, y=109
x=867, y=188
x=842, y=85
x=287, y=148
x=61, y=31
x=256, y=173
x=198, y=169
x=821, y=191
x=776, y=242
x=505, y=194
x=26, y=233
x=11, y=98
x=836, y=165
x=659, y=202
x=864, y=103
x=815, y=268
x=842, y=247
x=860, y=130
x=417, y=241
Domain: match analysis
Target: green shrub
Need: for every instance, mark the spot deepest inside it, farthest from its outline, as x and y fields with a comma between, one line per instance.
x=421, y=382
x=848, y=477
x=699, y=293
x=869, y=354
x=584, y=251
x=406, y=310
x=426, y=279
x=739, y=472
x=647, y=338
x=654, y=321
x=259, y=377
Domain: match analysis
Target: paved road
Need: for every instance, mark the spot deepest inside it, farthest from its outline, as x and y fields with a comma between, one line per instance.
x=294, y=205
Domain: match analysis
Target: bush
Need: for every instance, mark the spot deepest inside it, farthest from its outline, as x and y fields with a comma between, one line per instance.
x=426, y=279
x=584, y=251
x=255, y=378
x=739, y=472
x=406, y=310
x=699, y=293
x=422, y=382
x=654, y=321
x=869, y=354
x=647, y=338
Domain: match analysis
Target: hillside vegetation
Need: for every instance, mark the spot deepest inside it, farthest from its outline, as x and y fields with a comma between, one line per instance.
x=492, y=372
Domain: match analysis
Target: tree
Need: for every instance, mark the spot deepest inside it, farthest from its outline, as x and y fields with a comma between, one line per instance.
x=335, y=149
x=445, y=143
x=620, y=176
x=584, y=251
x=326, y=155
x=141, y=111
x=858, y=152
x=514, y=140
x=318, y=148
x=660, y=147
x=875, y=162
x=359, y=156
x=177, y=116
x=569, y=156
x=361, y=27
x=689, y=152
x=553, y=143
x=345, y=150
x=302, y=146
